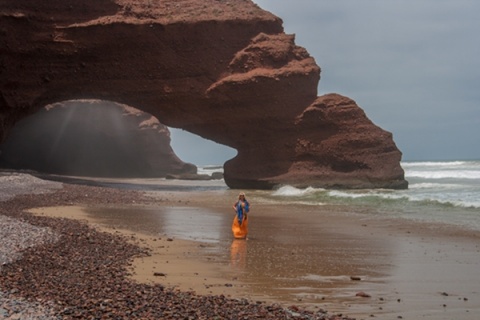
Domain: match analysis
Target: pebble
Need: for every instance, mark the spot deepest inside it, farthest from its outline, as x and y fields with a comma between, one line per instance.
x=63, y=269
x=363, y=294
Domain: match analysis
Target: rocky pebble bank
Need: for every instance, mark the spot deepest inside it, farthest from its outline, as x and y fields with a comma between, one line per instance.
x=64, y=269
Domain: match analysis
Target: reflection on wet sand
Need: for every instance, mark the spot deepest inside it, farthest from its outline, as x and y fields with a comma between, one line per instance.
x=302, y=257
x=181, y=222
x=304, y=254
x=295, y=259
x=238, y=254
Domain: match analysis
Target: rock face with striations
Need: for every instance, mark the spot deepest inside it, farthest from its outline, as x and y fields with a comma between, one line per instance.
x=223, y=70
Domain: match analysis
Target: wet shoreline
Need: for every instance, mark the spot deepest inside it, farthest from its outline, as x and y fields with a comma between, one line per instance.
x=85, y=273
x=406, y=269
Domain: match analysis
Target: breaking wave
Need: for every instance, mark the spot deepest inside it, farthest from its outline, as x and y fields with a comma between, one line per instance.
x=448, y=184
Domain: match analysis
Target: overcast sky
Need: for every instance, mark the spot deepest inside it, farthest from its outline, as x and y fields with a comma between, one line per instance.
x=412, y=65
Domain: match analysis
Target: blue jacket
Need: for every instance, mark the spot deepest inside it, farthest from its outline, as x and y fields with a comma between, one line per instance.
x=240, y=211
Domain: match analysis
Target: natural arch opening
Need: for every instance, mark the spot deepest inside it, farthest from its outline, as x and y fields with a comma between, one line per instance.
x=98, y=139
x=195, y=149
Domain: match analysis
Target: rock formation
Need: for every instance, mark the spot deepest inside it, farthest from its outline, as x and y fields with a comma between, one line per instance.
x=224, y=70
x=93, y=138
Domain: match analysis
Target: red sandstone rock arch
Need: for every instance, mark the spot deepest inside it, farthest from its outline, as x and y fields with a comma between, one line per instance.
x=222, y=70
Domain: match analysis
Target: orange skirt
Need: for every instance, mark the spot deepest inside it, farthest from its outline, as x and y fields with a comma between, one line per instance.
x=240, y=230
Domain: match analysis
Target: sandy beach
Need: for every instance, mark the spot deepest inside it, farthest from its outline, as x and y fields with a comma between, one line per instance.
x=346, y=263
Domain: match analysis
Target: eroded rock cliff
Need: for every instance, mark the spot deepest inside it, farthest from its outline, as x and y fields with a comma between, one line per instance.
x=93, y=138
x=224, y=70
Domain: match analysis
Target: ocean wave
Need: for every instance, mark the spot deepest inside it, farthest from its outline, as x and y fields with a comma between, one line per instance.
x=290, y=191
x=437, y=186
x=420, y=193
x=434, y=186
x=465, y=204
x=292, y=201
x=209, y=169
x=427, y=198
x=345, y=194
x=444, y=174
x=431, y=164
x=369, y=194
x=308, y=203
x=446, y=202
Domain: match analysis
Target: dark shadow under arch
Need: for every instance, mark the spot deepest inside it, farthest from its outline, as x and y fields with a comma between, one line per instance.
x=92, y=138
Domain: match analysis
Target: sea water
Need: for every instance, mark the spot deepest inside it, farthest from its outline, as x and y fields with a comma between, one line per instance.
x=209, y=169
x=441, y=192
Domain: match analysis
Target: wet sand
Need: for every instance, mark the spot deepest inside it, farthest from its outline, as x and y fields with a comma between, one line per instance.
x=409, y=270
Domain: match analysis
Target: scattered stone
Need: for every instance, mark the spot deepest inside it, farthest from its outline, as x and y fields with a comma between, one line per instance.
x=363, y=294
x=217, y=175
x=159, y=274
x=293, y=308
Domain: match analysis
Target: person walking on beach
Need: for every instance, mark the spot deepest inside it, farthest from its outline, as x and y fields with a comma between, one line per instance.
x=240, y=221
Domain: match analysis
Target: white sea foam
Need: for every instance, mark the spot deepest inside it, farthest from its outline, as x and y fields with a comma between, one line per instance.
x=209, y=169
x=432, y=185
x=451, y=184
x=453, y=170
x=346, y=194
x=429, y=196
x=293, y=201
x=431, y=164
x=443, y=174
x=382, y=194
x=289, y=191
x=309, y=203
